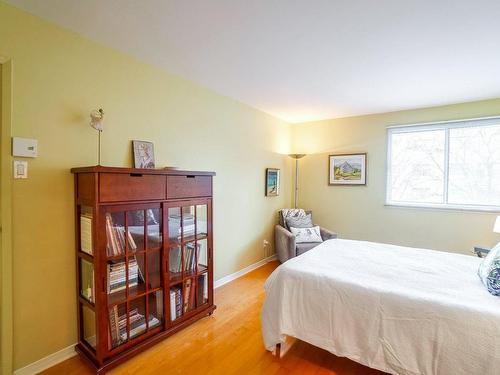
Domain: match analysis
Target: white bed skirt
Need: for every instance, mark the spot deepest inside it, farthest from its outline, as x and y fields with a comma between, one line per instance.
x=396, y=309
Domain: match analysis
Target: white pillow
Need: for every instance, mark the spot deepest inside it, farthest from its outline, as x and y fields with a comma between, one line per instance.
x=306, y=234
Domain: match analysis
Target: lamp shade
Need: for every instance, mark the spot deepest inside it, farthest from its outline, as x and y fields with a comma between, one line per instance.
x=496, y=227
x=297, y=156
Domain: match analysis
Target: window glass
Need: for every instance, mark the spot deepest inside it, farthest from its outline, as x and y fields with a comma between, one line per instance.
x=450, y=165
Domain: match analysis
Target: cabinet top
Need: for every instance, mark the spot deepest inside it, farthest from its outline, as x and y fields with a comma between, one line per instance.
x=102, y=169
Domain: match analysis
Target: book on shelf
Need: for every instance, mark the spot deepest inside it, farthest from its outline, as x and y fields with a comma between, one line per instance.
x=173, y=315
x=136, y=324
x=116, y=238
x=175, y=227
x=189, y=296
x=175, y=260
x=116, y=273
x=187, y=291
x=188, y=230
x=159, y=304
x=113, y=325
x=86, y=233
x=190, y=256
x=188, y=226
x=175, y=303
x=202, y=289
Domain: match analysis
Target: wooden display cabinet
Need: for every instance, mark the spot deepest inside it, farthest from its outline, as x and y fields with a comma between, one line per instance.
x=144, y=258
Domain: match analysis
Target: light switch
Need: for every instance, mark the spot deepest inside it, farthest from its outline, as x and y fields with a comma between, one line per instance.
x=24, y=147
x=20, y=169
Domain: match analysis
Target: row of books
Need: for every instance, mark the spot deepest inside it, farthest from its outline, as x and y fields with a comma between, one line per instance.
x=188, y=225
x=190, y=256
x=137, y=324
x=174, y=222
x=176, y=305
x=182, y=299
x=116, y=238
x=116, y=233
x=117, y=275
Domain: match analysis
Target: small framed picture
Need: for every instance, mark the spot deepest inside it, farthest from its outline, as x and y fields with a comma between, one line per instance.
x=347, y=169
x=272, y=182
x=144, y=155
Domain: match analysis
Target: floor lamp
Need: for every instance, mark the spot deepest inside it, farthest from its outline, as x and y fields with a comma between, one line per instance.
x=296, y=157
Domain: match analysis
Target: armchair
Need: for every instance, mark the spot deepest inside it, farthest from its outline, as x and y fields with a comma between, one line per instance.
x=285, y=245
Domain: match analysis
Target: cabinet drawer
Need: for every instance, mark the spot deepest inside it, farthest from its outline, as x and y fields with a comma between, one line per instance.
x=115, y=187
x=188, y=186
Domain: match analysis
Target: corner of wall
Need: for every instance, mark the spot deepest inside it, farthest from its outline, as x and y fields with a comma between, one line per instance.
x=6, y=305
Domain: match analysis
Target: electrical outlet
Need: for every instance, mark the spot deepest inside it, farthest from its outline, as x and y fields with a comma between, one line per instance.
x=20, y=169
x=265, y=246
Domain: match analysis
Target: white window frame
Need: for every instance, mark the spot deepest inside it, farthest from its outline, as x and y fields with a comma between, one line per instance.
x=441, y=125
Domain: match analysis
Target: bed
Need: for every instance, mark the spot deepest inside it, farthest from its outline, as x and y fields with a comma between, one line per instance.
x=396, y=309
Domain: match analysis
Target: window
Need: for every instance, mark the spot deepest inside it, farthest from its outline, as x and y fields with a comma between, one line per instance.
x=449, y=165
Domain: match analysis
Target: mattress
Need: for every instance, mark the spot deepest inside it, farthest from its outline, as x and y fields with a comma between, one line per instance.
x=397, y=309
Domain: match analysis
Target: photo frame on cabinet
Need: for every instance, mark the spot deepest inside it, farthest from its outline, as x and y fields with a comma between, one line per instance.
x=144, y=155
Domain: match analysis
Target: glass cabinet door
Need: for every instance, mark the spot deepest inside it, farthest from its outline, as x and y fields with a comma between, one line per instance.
x=187, y=258
x=86, y=277
x=88, y=324
x=87, y=280
x=134, y=275
x=202, y=268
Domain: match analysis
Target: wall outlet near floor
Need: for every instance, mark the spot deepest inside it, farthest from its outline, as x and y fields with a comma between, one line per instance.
x=265, y=246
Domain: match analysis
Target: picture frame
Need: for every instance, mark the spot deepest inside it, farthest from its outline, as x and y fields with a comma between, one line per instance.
x=272, y=182
x=144, y=156
x=347, y=169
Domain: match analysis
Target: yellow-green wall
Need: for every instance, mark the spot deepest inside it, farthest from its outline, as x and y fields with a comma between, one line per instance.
x=58, y=78
x=358, y=212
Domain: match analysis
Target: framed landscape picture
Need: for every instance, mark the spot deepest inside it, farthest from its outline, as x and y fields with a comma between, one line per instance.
x=144, y=155
x=347, y=169
x=272, y=182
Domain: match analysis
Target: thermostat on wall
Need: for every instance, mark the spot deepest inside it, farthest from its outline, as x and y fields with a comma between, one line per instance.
x=24, y=147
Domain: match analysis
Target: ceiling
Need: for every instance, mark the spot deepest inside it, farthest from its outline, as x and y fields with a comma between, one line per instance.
x=304, y=60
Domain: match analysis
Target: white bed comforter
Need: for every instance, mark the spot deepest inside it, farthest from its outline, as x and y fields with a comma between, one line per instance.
x=397, y=309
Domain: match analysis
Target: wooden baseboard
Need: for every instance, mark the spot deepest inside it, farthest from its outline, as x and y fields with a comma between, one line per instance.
x=226, y=279
x=68, y=352
x=46, y=362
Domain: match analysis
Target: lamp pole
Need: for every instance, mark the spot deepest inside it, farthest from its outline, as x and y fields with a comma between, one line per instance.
x=96, y=122
x=99, y=149
x=296, y=157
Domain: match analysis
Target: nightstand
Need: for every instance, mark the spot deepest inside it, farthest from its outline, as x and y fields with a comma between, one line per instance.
x=481, y=252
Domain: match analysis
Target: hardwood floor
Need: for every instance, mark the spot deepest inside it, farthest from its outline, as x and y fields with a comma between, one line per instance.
x=228, y=342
